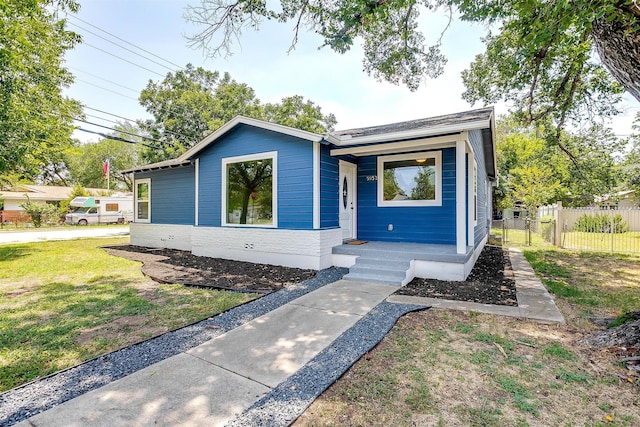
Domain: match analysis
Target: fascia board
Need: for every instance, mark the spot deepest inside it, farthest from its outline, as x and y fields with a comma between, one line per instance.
x=410, y=134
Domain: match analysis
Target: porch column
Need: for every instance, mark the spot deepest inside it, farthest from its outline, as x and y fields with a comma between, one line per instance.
x=461, y=229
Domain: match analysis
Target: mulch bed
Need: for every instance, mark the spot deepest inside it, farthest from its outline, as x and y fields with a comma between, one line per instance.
x=490, y=282
x=175, y=266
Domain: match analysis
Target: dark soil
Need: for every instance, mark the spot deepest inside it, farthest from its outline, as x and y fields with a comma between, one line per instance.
x=175, y=266
x=490, y=282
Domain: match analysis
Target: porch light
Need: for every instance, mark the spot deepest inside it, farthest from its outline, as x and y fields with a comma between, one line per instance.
x=421, y=160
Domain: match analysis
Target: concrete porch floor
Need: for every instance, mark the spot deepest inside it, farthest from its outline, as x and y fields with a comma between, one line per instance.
x=406, y=251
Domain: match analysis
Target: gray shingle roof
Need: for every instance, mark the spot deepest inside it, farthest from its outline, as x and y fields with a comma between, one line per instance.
x=445, y=120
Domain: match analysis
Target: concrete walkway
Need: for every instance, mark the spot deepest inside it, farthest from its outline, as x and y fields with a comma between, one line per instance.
x=7, y=237
x=534, y=301
x=211, y=384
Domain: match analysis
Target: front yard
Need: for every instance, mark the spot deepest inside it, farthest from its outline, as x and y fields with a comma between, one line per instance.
x=62, y=303
x=447, y=368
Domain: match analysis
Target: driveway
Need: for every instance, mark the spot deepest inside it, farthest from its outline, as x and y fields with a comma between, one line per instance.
x=65, y=234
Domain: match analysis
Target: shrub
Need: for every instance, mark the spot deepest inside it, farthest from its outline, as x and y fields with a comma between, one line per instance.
x=601, y=223
x=40, y=212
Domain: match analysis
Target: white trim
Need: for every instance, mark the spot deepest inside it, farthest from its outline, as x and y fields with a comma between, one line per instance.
x=274, y=188
x=470, y=226
x=475, y=191
x=399, y=147
x=135, y=199
x=436, y=155
x=461, y=226
x=197, y=198
x=409, y=134
x=353, y=170
x=316, y=185
x=298, y=133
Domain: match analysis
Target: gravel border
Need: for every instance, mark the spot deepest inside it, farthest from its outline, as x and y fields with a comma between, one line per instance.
x=37, y=396
x=287, y=401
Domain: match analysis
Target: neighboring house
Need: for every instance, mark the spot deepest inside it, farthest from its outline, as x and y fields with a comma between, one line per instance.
x=12, y=200
x=621, y=199
x=261, y=192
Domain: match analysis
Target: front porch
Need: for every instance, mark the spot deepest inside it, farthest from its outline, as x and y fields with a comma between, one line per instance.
x=398, y=263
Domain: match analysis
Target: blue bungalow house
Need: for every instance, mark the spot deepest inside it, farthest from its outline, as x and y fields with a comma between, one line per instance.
x=391, y=202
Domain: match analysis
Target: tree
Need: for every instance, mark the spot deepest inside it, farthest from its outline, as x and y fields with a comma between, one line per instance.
x=85, y=162
x=39, y=212
x=396, y=49
x=189, y=104
x=247, y=178
x=540, y=58
x=36, y=121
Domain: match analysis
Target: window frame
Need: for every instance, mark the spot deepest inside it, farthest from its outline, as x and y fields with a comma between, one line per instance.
x=437, y=201
x=475, y=192
x=135, y=200
x=273, y=155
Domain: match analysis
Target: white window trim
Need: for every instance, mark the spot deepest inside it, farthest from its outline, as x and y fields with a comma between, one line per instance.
x=273, y=155
x=436, y=155
x=475, y=192
x=135, y=200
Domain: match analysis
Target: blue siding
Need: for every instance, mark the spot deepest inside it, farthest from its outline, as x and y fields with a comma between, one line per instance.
x=484, y=199
x=329, y=188
x=172, y=195
x=295, y=174
x=427, y=224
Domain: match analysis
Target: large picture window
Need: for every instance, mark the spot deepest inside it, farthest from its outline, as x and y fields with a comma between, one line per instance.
x=143, y=200
x=249, y=190
x=412, y=179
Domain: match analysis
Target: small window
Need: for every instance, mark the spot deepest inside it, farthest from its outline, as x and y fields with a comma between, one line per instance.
x=410, y=180
x=143, y=200
x=249, y=190
x=111, y=207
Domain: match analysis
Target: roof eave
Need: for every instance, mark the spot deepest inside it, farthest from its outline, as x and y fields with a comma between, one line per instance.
x=157, y=166
x=410, y=134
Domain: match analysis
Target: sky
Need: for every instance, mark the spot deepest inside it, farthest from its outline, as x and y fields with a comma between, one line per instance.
x=260, y=59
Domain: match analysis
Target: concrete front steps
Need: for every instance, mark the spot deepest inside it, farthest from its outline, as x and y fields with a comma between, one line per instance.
x=375, y=269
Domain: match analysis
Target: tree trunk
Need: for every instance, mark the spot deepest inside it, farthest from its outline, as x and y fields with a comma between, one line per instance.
x=246, y=194
x=619, y=49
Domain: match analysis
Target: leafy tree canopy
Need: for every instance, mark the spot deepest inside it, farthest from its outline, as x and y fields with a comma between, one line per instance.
x=36, y=121
x=191, y=103
x=540, y=57
x=85, y=162
x=535, y=172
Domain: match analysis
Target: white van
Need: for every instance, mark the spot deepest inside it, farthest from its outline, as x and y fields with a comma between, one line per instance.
x=105, y=210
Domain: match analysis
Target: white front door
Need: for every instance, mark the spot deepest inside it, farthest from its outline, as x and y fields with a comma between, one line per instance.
x=347, y=200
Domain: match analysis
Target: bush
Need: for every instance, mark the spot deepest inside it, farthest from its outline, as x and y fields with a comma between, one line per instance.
x=601, y=223
x=40, y=212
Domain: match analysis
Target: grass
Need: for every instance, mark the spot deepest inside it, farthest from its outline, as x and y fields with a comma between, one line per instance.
x=449, y=368
x=62, y=303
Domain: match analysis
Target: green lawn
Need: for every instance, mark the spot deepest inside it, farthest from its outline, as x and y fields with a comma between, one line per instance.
x=62, y=303
x=452, y=368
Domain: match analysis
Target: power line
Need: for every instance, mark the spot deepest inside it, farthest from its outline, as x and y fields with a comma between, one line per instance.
x=106, y=80
x=108, y=90
x=117, y=138
x=122, y=47
x=134, y=121
x=125, y=41
x=121, y=131
x=122, y=59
